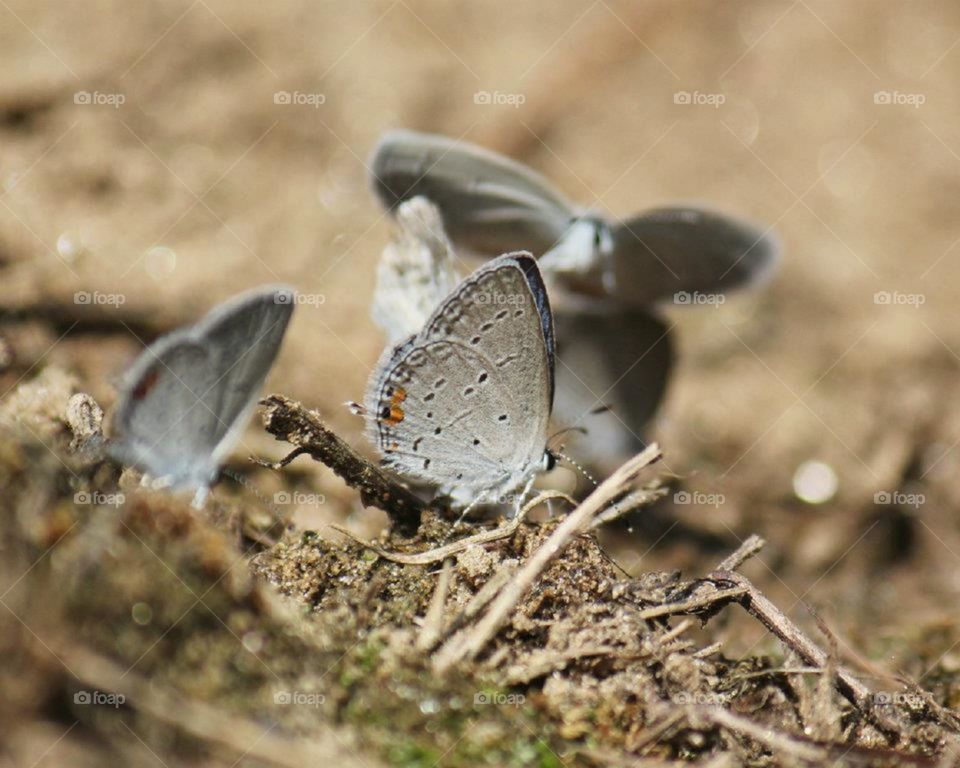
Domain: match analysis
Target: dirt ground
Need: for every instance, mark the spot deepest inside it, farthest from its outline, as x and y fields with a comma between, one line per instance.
x=149, y=168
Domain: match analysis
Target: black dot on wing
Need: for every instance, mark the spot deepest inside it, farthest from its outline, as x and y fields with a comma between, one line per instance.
x=428, y=397
x=437, y=431
x=475, y=340
x=476, y=441
x=486, y=327
x=502, y=417
x=429, y=414
x=385, y=412
x=439, y=383
x=502, y=314
x=426, y=463
x=517, y=312
x=416, y=443
x=482, y=378
x=459, y=475
x=468, y=391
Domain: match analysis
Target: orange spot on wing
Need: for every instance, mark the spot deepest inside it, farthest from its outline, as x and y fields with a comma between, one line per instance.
x=396, y=412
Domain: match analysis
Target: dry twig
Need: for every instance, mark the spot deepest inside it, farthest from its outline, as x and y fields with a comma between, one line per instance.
x=470, y=643
x=433, y=621
x=438, y=554
x=288, y=420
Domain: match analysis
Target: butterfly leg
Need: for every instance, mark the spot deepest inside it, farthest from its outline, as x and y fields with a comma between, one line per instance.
x=522, y=496
x=471, y=506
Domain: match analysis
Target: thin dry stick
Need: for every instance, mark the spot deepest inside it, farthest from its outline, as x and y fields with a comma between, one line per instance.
x=480, y=600
x=433, y=621
x=744, y=552
x=654, y=733
x=288, y=420
x=468, y=645
x=775, y=740
x=674, y=633
x=776, y=621
x=630, y=502
x=693, y=604
x=442, y=553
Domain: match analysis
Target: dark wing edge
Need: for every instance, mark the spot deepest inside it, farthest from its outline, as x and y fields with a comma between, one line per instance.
x=528, y=265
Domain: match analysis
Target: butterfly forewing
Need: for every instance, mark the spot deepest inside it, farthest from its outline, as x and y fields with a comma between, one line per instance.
x=670, y=251
x=466, y=403
x=489, y=203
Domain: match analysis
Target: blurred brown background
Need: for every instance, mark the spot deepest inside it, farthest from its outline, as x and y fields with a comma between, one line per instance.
x=144, y=155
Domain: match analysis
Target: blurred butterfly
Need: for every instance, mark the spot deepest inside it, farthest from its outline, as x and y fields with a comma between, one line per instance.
x=187, y=398
x=491, y=205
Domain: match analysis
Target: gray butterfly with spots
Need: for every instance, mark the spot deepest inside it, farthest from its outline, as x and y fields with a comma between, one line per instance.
x=187, y=398
x=465, y=403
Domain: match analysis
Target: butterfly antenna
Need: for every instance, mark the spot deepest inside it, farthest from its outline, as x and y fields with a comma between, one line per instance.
x=580, y=468
x=576, y=465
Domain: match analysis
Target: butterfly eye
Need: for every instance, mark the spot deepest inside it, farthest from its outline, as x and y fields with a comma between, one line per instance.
x=549, y=461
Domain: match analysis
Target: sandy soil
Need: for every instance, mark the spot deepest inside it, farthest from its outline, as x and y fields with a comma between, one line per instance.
x=144, y=160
